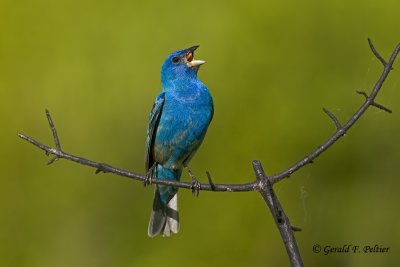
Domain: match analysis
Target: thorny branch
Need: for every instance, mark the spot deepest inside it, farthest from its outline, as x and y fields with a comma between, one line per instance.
x=281, y=220
x=263, y=184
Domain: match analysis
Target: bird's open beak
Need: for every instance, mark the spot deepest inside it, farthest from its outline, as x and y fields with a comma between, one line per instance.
x=190, y=62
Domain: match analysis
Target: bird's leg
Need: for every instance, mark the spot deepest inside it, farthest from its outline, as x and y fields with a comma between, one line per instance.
x=149, y=175
x=196, y=186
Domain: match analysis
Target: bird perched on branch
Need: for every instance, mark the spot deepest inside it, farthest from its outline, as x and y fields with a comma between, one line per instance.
x=177, y=126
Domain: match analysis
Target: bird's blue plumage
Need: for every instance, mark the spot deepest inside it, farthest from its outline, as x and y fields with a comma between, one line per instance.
x=177, y=126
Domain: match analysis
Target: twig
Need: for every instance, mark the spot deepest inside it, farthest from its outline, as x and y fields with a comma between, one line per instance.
x=376, y=53
x=381, y=107
x=333, y=117
x=55, y=136
x=210, y=180
x=263, y=184
x=362, y=93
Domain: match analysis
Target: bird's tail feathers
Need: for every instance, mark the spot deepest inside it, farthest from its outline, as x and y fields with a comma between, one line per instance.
x=164, y=217
x=172, y=215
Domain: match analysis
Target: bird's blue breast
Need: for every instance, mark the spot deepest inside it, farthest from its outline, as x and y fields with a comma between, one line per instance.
x=186, y=114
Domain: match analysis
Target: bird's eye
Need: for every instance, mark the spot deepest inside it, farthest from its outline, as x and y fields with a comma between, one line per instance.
x=175, y=59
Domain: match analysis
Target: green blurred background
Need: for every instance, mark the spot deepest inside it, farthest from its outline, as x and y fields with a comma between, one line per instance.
x=271, y=67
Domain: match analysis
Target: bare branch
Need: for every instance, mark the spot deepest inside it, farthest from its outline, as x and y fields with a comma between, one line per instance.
x=102, y=167
x=281, y=220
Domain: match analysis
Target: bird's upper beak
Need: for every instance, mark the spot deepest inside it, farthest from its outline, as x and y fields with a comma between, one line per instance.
x=190, y=62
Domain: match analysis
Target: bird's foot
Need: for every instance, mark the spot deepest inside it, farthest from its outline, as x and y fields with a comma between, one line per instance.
x=196, y=185
x=147, y=180
x=149, y=176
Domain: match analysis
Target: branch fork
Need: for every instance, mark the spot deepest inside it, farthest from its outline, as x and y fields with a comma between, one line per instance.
x=372, y=102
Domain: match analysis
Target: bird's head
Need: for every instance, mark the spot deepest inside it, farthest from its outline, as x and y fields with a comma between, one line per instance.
x=180, y=65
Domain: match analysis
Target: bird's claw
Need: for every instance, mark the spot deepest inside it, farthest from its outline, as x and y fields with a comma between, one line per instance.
x=196, y=186
x=149, y=176
x=147, y=180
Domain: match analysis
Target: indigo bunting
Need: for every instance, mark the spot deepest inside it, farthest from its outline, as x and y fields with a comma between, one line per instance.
x=178, y=123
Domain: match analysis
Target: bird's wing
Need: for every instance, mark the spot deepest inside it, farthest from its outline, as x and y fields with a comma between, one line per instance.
x=152, y=129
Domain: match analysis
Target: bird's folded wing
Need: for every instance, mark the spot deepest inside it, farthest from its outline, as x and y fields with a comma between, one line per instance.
x=155, y=115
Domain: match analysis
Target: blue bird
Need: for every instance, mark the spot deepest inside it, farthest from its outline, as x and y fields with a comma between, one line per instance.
x=178, y=123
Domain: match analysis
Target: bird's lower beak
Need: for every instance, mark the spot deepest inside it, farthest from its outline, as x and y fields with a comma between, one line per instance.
x=195, y=63
x=189, y=58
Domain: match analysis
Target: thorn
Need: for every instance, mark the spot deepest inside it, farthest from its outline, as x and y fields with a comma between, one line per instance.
x=210, y=181
x=53, y=160
x=335, y=120
x=295, y=228
x=384, y=63
x=373, y=103
x=362, y=93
